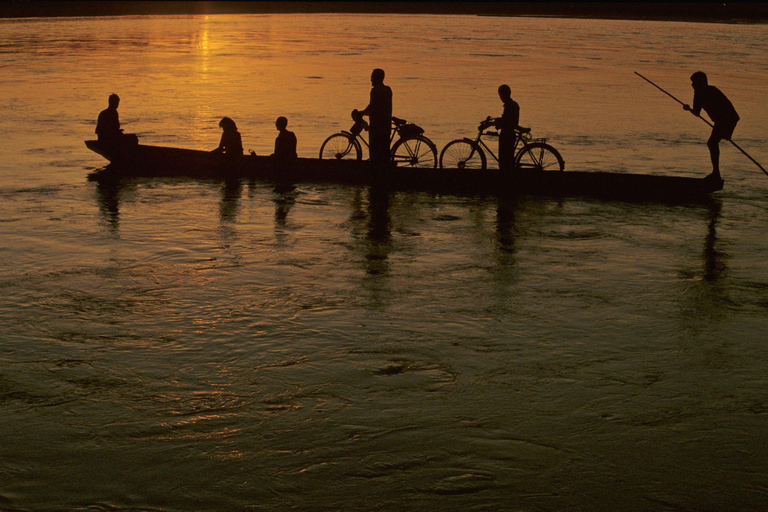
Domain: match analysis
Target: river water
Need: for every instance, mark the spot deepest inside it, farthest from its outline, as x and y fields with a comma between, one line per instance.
x=192, y=345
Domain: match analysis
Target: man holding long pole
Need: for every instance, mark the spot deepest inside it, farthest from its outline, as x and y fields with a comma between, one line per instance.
x=720, y=110
x=729, y=130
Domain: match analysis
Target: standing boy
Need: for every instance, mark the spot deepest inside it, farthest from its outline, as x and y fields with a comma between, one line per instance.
x=720, y=110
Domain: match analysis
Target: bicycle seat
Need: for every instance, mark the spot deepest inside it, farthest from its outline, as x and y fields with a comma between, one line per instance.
x=523, y=129
x=398, y=121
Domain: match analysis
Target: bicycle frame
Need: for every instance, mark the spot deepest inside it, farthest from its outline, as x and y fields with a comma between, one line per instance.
x=526, y=152
x=523, y=138
x=479, y=141
x=394, y=129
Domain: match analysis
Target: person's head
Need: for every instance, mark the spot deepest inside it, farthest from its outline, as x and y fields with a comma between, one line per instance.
x=281, y=122
x=377, y=77
x=227, y=124
x=114, y=100
x=698, y=79
x=505, y=92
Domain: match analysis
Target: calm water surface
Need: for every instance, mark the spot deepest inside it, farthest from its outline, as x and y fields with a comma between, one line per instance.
x=191, y=345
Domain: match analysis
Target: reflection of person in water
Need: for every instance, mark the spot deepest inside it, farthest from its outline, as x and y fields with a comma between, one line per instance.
x=714, y=259
x=372, y=231
x=285, y=143
x=108, y=196
x=505, y=225
x=284, y=198
x=108, y=128
x=231, y=190
x=231, y=143
x=379, y=223
x=379, y=112
x=720, y=110
x=707, y=295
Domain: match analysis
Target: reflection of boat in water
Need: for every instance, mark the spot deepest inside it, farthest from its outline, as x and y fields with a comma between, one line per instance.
x=157, y=161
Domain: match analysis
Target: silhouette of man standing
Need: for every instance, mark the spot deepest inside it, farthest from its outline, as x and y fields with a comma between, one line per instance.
x=720, y=110
x=507, y=124
x=108, y=125
x=379, y=112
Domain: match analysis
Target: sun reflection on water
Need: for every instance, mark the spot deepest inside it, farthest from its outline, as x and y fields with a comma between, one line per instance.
x=204, y=47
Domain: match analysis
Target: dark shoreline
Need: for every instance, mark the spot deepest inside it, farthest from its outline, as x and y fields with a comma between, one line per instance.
x=707, y=12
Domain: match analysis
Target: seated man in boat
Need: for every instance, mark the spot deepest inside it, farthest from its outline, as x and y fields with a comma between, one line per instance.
x=720, y=110
x=108, y=128
x=285, y=143
x=507, y=124
x=231, y=143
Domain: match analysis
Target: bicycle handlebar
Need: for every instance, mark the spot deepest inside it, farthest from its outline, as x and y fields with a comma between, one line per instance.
x=491, y=121
x=520, y=131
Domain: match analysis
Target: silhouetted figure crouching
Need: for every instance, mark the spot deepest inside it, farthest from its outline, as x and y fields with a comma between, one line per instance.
x=379, y=112
x=285, y=143
x=108, y=129
x=720, y=110
x=231, y=143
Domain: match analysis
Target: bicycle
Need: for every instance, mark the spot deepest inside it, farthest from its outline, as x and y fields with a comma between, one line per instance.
x=412, y=148
x=530, y=153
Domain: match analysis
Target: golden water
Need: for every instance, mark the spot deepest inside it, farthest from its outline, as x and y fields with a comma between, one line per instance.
x=188, y=345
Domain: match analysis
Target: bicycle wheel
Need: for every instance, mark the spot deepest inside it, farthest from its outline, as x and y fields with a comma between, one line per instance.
x=340, y=146
x=462, y=154
x=417, y=151
x=540, y=157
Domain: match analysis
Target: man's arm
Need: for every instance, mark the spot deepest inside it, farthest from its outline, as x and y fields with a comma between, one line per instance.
x=367, y=110
x=696, y=110
x=220, y=149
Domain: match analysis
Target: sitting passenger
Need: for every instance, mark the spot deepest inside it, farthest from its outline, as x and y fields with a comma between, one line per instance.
x=231, y=143
x=285, y=143
x=108, y=125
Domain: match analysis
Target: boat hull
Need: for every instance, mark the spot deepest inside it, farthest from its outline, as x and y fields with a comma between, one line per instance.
x=156, y=161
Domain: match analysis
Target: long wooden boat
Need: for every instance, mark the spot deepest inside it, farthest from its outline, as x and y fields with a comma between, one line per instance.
x=157, y=161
